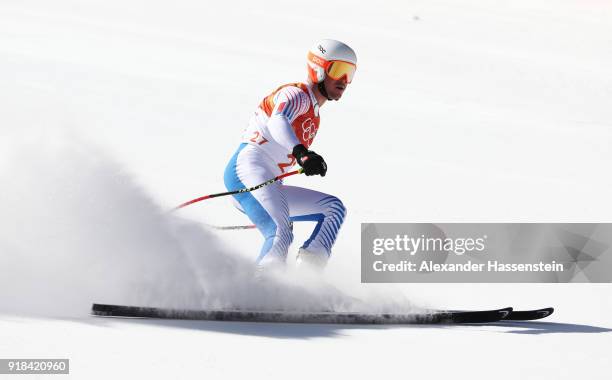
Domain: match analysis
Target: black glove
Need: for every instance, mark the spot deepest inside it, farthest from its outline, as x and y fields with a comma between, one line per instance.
x=312, y=163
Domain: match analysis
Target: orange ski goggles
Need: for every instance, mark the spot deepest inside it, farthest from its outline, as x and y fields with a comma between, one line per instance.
x=338, y=69
x=335, y=69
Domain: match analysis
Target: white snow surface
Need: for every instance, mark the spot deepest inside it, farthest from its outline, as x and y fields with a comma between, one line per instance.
x=112, y=112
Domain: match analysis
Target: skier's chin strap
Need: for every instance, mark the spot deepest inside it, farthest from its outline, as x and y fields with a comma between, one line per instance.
x=322, y=90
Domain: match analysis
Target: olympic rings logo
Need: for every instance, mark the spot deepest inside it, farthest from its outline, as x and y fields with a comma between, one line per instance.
x=309, y=131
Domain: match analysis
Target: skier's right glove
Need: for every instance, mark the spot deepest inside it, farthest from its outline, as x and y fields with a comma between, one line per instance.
x=311, y=162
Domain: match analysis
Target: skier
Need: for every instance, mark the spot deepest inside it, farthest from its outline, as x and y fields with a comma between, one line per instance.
x=277, y=137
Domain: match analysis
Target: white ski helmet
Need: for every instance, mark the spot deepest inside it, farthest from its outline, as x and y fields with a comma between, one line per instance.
x=321, y=55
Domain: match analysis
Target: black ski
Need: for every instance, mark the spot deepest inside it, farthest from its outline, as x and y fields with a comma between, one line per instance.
x=521, y=315
x=529, y=315
x=429, y=317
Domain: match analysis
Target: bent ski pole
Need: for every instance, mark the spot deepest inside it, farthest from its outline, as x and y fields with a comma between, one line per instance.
x=246, y=190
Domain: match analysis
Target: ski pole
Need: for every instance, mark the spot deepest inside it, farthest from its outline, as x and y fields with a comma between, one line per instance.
x=225, y=228
x=245, y=190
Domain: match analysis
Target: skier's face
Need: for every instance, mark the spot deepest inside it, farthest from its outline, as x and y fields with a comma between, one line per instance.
x=335, y=87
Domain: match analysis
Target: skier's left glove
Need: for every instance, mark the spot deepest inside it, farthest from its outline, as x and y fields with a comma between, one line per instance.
x=311, y=162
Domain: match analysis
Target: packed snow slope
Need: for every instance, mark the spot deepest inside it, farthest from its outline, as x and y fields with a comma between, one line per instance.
x=112, y=112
